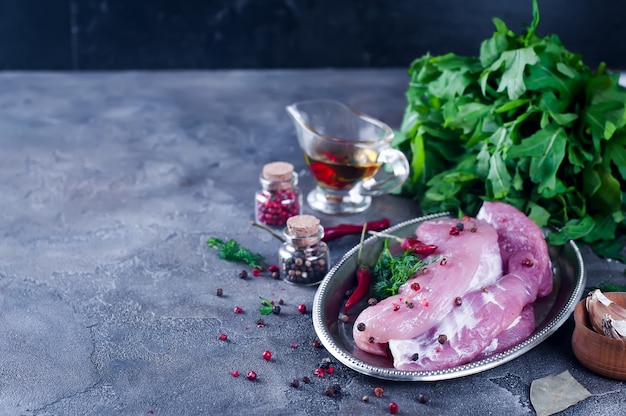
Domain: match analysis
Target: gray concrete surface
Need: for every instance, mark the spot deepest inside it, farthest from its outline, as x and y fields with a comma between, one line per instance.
x=111, y=184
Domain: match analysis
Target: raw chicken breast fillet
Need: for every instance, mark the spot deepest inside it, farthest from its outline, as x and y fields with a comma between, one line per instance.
x=471, y=327
x=496, y=277
x=467, y=260
x=516, y=233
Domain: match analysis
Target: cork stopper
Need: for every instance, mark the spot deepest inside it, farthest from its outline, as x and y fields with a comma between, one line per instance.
x=304, y=228
x=278, y=171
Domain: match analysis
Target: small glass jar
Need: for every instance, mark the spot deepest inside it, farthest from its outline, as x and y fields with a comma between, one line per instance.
x=304, y=258
x=280, y=197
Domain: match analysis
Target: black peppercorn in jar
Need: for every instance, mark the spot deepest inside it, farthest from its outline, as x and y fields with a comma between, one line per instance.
x=280, y=197
x=304, y=257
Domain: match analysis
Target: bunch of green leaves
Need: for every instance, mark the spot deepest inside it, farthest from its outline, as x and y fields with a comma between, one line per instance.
x=390, y=272
x=528, y=123
x=232, y=251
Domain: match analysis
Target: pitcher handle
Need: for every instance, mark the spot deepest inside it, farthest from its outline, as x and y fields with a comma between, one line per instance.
x=395, y=170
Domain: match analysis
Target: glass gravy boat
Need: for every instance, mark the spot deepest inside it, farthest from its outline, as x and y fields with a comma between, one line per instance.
x=349, y=155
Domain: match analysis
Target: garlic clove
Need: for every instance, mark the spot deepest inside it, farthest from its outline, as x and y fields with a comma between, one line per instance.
x=620, y=328
x=606, y=317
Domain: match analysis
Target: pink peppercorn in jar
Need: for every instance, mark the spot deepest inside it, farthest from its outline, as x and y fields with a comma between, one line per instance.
x=280, y=198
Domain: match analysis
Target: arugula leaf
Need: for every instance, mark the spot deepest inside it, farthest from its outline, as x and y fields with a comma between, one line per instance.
x=525, y=122
x=512, y=78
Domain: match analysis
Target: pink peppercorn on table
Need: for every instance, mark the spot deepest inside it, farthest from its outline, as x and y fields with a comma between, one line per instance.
x=111, y=301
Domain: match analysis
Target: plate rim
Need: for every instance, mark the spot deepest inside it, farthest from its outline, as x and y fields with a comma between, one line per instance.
x=547, y=329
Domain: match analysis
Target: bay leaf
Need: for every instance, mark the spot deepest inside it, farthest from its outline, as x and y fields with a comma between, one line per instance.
x=553, y=394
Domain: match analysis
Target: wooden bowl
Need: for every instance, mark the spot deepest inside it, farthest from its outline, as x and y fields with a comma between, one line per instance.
x=601, y=354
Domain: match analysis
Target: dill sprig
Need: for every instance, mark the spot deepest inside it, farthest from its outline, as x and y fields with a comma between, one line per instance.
x=390, y=272
x=231, y=250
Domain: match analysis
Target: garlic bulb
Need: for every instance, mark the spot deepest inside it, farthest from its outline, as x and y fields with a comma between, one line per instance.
x=606, y=317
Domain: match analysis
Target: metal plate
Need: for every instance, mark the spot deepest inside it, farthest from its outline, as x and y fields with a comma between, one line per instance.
x=550, y=312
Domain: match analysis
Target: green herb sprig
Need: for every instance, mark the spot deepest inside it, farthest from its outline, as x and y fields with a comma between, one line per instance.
x=266, y=306
x=232, y=251
x=525, y=122
x=390, y=272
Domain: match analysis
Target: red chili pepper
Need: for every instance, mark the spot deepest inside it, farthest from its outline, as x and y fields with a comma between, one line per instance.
x=332, y=233
x=363, y=278
x=416, y=246
x=410, y=244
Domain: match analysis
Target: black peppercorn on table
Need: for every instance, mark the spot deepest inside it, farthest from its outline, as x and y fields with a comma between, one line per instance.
x=113, y=304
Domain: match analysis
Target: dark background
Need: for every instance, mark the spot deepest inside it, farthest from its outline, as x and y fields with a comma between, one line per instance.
x=200, y=34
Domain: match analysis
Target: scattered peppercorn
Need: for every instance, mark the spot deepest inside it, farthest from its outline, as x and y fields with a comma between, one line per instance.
x=276, y=310
x=256, y=272
x=295, y=383
x=360, y=326
x=415, y=357
x=238, y=310
x=372, y=301
x=454, y=230
x=302, y=308
x=243, y=274
x=423, y=398
x=319, y=371
x=366, y=398
x=415, y=286
x=275, y=275
x=393, y=408
x=267, y=355
x=251, y=375
x=281, y=301
x=458, y=301
x=260, y=322
x=223, y=337
x=273, y=268
x=234, y=373
x=325, y=364
x=344, y=318
x=306, y=380
x=219, y=291
x=460, y=226
x=379, y=391
x=371, y=340
x=330, y=392
x=442, y=339
x=443, y=261
x=337, y=388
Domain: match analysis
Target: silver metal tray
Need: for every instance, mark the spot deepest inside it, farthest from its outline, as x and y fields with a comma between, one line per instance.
x=550, y=312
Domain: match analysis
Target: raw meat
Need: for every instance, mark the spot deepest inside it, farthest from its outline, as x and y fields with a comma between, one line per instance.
x=467, y=261
x=517, y=332
x=471, y=327
x=495, y=312
x=516, y=233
